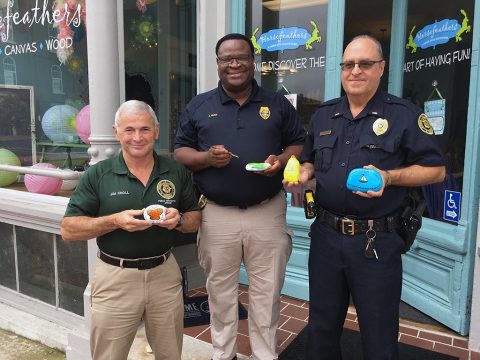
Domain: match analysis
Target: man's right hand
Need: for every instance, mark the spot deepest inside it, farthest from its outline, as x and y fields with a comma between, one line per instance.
x=218, y=156
x=128, y=220
x=306, y=173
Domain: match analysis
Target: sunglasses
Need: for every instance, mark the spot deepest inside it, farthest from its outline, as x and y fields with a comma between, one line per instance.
x=363, y=64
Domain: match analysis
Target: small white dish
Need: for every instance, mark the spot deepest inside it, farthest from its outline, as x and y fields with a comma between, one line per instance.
x=257, y=166
x=155, y=213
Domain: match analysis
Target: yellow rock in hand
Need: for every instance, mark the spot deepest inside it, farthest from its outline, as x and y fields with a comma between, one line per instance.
x=292, y=170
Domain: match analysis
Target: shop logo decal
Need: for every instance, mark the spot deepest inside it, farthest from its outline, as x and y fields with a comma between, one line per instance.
x=285, y=38
x=438, y=33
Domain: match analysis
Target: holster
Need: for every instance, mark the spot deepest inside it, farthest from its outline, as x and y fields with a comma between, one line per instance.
x=309, y=204
x=411, y=222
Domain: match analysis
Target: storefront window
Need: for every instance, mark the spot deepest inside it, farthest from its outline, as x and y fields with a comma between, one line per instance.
x=160, y=59
x=44, y=267
x=43, y=83
x=7, y=257
x=290, y=44
x=372, y=18
x=438, y=51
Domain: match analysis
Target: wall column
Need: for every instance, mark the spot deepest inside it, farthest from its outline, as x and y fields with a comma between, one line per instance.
x=106, y=91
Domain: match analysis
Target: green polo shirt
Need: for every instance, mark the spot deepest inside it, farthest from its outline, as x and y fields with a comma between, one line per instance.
x=108, y=187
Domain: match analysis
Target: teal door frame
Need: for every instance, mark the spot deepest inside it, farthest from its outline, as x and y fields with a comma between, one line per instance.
x=438, y=271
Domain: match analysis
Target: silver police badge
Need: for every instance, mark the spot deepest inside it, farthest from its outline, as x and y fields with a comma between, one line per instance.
x=380, y=126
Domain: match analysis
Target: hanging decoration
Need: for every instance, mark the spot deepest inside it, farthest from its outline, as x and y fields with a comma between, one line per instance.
x=58, y=124
x=71, y=28
x=40, y=184
x=82, y=124
x=8, y=158
x=75, y=64
x=145, y=31
x=142, y=5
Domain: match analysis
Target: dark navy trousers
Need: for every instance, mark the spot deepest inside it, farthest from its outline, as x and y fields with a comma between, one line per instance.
x=338, y=269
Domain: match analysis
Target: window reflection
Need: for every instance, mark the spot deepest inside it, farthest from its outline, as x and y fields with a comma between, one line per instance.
x=72, y=260
x=7, y=257
x=436, y=77
x=290, y=44
x=9, y=71
x=160, y=60
x=36, y=269
x=48, y=60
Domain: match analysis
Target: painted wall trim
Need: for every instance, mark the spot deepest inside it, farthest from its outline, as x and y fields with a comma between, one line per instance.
x=397, y=48
x=237, y=15
x=334, y=49
x=212, y=23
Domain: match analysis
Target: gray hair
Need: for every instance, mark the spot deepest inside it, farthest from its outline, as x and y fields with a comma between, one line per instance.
x=371, y=38
x=135, y=106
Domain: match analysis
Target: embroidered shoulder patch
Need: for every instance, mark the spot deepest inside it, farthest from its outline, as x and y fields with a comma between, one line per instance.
x=424, y=124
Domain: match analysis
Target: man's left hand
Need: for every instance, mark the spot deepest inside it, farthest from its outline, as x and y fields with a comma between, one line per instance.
x=370, y=193
x=172, y=216
x=275, y=166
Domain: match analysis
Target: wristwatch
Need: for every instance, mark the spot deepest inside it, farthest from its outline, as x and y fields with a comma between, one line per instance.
x=181, y=220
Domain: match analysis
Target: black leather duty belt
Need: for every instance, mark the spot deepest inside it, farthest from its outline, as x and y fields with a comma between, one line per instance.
x=348, y=226
x=140, y=264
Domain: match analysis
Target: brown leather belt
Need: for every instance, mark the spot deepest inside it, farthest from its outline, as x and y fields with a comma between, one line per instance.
x=348, y=226
x=140, y=264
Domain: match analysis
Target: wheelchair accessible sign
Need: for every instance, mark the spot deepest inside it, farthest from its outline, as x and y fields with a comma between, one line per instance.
x=451, y=206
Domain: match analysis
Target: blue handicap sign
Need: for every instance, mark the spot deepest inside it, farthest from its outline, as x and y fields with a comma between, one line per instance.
x=451, y=205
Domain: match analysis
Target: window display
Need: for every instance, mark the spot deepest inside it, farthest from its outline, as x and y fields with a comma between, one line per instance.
x=290, y=45
x=436, y=71
x=43, y=80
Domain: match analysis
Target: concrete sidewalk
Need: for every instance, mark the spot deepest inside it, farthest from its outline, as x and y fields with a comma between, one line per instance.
x=53, y=337
x=15, y=347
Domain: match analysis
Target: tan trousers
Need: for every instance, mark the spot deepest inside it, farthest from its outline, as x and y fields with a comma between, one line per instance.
x=122, y=297
x=257, y=235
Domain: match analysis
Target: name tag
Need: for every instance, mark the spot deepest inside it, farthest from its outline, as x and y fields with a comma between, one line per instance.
x=325, y=132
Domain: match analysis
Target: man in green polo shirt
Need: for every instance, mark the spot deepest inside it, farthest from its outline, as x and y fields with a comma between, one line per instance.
x=136, y=276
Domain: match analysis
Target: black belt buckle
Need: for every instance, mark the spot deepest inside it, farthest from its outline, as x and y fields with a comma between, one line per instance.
x=347, y=226
x=145, y=264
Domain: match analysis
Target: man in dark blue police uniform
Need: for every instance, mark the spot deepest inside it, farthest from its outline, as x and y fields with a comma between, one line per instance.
x=136, y=276
x=364, y=128
x=244, y=219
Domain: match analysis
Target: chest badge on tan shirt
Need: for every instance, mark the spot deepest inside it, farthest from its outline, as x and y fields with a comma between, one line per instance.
x=380, y=126
x=424, y=124
x=166, y=189
x=264, y=112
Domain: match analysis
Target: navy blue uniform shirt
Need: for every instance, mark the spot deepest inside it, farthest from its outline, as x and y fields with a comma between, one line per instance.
x=336, y=143
x=265, y=124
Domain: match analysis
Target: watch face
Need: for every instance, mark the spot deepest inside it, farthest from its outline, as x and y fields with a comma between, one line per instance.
x=181, y=220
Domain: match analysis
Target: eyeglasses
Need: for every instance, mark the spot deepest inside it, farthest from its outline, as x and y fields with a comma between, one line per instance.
x=241, y=59
x=363, y=65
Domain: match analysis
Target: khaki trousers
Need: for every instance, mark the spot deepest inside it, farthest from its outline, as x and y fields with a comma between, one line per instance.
x=257, y=235
x=122, y=297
